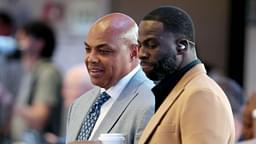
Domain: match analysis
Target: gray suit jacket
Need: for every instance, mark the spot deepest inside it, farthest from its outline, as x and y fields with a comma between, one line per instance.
x=129, y=114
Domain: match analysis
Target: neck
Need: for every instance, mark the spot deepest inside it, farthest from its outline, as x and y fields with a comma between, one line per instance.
x=29, y=61
x=188, y=58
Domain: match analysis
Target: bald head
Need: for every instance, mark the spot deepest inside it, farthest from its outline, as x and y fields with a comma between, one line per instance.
x=118, y=24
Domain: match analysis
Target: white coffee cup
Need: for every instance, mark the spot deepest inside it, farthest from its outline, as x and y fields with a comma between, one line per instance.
x=112, y=138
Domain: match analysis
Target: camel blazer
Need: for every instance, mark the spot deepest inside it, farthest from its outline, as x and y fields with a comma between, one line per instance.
x=196, y=111
x=129, y=114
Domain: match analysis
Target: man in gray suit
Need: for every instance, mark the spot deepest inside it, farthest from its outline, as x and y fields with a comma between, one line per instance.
x=113, y=65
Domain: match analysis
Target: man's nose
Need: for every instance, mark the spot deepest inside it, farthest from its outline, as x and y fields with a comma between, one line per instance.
x=92, y=57
x=143, y=53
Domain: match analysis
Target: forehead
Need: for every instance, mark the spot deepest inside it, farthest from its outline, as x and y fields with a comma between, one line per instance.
x=97, y=36
x=151, y=27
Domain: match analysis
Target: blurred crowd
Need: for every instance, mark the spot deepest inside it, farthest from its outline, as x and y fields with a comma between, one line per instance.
x=241, y=104
x=34, y=93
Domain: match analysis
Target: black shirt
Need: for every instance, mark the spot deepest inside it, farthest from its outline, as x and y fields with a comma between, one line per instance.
x=164, y=87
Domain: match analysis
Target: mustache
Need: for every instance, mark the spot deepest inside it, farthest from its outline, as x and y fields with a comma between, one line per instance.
x=144, y=62
x=94, y=67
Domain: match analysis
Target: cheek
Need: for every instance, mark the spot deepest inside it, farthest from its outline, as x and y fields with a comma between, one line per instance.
x=108, y=76
x=156, y=55
x=117, y=69
x=111, y=70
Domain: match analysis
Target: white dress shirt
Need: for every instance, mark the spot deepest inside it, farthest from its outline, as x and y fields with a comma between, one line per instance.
x=114, y=92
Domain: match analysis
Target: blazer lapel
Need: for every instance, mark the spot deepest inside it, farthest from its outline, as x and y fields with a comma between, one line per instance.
x=120, y=105
x=169, y=101
x=81, y=111
x=157, y=117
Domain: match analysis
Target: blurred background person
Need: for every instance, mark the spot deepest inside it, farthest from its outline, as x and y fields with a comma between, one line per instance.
x=76, y=82
x=235, y=95
x=37, y=107
x=10, y=67
x=5, y=106
x=236, y=98
x=248, y=131
x=10, y=72
x=6, y=24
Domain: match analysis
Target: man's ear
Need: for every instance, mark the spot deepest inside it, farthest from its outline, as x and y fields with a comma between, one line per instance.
x=134, y=51
x=182, y=45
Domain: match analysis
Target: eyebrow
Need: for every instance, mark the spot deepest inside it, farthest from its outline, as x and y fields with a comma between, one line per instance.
x=98, y=46
x=147, y=39
x=86, y=44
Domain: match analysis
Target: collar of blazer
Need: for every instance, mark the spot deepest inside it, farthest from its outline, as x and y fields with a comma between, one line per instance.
x=117, y=110
x=168, y=102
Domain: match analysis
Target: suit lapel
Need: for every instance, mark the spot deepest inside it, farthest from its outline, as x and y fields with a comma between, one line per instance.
x=157, y=117
x=120, y=105
x=82, y=108
x=169, y=101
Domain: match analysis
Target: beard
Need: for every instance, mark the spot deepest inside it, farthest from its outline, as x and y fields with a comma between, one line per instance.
x=166, y=65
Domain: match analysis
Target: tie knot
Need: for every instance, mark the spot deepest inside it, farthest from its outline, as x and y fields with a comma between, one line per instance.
x=102, y=98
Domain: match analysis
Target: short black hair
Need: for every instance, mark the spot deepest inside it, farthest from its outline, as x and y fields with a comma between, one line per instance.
x=6, y=19
x=41, y=30
x=175, y=20
x=7, y=24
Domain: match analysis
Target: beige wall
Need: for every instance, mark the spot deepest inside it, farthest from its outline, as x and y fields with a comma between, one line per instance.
x=250, y=46
x=250, y=59
x=210, y=18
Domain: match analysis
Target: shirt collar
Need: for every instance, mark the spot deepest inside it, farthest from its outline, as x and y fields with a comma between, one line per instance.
x=163, y=88
x=116, y=90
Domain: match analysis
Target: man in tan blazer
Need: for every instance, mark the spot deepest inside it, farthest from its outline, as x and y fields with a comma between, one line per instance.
x=190, y=107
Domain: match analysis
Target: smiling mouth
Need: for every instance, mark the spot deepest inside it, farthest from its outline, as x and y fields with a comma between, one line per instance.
x=96, y=73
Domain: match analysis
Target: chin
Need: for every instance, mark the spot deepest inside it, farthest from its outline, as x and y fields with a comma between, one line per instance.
x=96, y=82
x=152, y=76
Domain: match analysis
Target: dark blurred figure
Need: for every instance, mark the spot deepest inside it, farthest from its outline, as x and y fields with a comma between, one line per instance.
x=10, y=67
x=5, y=106
x=10, y=72
x=236, y=98
x=6, y=24
x=235, y=94
x=37, y=107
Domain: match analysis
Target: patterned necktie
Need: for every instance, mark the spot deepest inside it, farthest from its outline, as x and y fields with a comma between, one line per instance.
x=91, y=117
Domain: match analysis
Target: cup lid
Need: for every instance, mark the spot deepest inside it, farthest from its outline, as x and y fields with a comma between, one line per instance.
x=254, y=113
x=111, y=136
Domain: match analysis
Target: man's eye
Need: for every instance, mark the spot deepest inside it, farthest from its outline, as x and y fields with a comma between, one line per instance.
x=105, y=52
x=150, y=45
x=87, y=50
